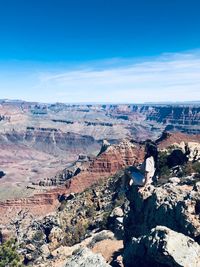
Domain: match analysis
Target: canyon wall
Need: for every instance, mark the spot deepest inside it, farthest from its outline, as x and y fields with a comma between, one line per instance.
x=106, y=164
x=51, y=140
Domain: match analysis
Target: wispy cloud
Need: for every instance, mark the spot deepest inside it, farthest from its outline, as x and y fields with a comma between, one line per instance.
x=169, y=77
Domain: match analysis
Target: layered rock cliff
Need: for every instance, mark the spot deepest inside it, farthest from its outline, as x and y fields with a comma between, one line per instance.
x=52, y=141
x=115, y=158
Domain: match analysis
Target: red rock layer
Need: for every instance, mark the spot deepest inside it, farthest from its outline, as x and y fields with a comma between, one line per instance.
x=171, y=138
x=117, y=157
x=39, y=204
x=108, y=163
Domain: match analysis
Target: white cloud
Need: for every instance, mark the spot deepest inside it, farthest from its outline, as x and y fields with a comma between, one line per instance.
x=169, y=77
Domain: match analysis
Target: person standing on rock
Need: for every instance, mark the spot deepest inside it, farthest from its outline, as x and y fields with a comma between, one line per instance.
x=144, y=175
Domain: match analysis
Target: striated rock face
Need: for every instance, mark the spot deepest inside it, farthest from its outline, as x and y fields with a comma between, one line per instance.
x=86, y=258
x=51, y=140
x=117, y=157
x=106, y=164
x=162, y=247
x=184, y=118
x=178, y=118
x=84, y=173
x=174, y=205
x=39, y=204
x=113, y=159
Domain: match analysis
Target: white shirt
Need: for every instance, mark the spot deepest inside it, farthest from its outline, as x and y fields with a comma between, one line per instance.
x=150, y=166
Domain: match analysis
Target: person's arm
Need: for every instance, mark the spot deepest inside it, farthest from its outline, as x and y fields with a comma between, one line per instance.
x=147, y=169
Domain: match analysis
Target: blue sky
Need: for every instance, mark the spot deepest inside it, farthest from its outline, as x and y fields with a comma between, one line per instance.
x=100, y=51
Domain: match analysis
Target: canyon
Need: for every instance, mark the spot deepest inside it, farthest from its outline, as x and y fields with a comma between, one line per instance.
x=64, y=183
x=110, y=160
x=45, y=144
x=97, y=209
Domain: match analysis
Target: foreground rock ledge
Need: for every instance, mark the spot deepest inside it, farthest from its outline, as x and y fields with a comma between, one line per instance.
x=162, y=247
x=162, y=225
x=175, y=204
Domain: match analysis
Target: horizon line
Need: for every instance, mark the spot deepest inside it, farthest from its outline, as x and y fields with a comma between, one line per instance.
x=7, y=100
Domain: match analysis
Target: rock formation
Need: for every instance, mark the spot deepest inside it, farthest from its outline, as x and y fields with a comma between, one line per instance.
x=115, y=158
x=86, y=258
x=168, y=139
x=162, y=247
x=173, y=206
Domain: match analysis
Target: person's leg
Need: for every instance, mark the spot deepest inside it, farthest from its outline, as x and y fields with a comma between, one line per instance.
x=148, y=179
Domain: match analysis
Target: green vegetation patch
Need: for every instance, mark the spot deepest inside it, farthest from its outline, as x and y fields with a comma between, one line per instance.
x=9, y=256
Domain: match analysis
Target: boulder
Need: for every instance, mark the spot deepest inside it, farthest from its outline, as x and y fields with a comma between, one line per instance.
x=86, y=258
x=44, y=249
x=162, y=247
x=116, y=222
x=30, y=247
x=56, y=235
x=117, y=212
x=174, y=180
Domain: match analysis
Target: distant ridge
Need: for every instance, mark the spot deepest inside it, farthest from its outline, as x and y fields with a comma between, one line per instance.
x=194, y=102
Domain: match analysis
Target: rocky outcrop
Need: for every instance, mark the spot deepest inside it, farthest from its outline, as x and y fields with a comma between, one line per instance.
x=117, y=157
x=86, y=258
x=168, y=139
x=162, y=247
x=102, y=242
x=109, y=162
x=173, y=206
x=105, y=145
x=116, y=222
x=87, y=171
